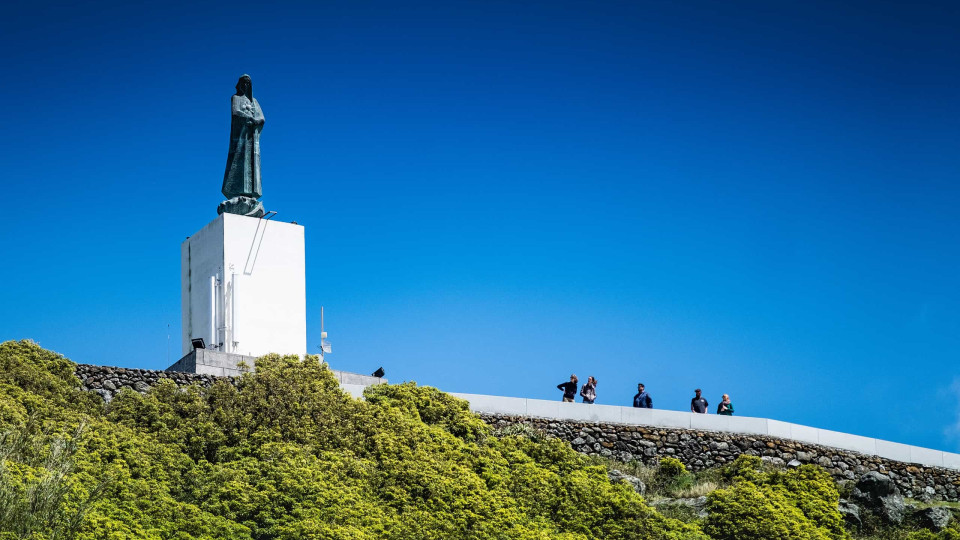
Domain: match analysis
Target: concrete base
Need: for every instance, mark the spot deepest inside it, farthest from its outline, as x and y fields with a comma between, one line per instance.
x=208, y=362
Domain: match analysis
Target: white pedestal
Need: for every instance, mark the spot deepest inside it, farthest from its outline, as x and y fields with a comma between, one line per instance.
x=243, y=287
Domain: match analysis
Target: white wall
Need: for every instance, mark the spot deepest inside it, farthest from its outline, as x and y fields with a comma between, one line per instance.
x=201, y=256
x=261, y=303
x=270, y=277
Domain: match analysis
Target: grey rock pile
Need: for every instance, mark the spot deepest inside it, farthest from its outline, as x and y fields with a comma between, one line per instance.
x=696, y=505
x=636, y=483
x=880, y=495
x=935, y=518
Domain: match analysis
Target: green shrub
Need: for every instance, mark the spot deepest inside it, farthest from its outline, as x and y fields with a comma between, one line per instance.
x=671, y=477
x=38, y=493
x=813, y=492
x=747, y=511
x=285, y=454
x=671, y=468
x=745, y=467
x=797, y=504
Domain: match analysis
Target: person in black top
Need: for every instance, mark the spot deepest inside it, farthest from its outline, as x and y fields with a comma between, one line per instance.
x=699, y=403
x=569, y=389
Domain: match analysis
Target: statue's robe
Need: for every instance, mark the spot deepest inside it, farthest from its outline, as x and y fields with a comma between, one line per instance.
x=242, y=177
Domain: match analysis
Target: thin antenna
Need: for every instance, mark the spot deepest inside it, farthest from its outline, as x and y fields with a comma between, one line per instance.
x=324, y=344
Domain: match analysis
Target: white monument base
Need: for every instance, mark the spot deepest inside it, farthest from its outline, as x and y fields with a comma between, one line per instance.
x=243, y=287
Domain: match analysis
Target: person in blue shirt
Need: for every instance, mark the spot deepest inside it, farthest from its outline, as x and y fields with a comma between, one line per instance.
x=642, y=398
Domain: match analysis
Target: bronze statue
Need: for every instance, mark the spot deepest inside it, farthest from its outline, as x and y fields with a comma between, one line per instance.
x=241, y=180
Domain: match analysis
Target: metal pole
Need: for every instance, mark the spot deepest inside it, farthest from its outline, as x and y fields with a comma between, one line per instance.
x=213, y=311
x=233, y=311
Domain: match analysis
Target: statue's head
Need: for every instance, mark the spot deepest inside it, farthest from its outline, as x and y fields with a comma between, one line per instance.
x=245, y=86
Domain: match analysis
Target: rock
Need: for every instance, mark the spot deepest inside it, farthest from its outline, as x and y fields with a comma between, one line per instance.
x=935, y=518
x=927, y=494
x=141, y=387
x=878, y=494
x=638, y=485
x=850, y=513
x=698, y=505
x=794, y=464
x=825, y=462
x=775, y=461
x=805, y=456
x=109, y=385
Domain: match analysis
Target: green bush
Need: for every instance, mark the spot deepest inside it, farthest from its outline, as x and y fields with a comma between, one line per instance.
x=671, y=476
x=745, y=467
x=747, y=511
x=796, y=504
x=810, y=489
x=285, y=454
x=671, y=468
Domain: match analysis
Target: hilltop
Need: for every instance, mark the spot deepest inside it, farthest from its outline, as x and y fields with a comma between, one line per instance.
x=284, y=453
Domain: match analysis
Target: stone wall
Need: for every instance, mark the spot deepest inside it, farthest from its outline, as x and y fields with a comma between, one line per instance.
x=702, y=449
x=107, y=381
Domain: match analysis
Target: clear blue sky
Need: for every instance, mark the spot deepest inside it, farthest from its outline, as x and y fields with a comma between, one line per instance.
x=758, y=198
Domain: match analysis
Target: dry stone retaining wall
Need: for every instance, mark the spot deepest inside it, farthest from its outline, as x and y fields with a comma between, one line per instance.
x=699, y=449
x=108, y=381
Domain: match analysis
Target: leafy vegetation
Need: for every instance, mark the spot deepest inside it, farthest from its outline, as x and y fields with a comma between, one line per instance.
x=283, y=453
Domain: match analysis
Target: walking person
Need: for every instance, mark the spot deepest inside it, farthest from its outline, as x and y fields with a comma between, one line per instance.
x=569, y=389
x=725, y=408
x=698, y=404
x=642, y=399
x=589, y=390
